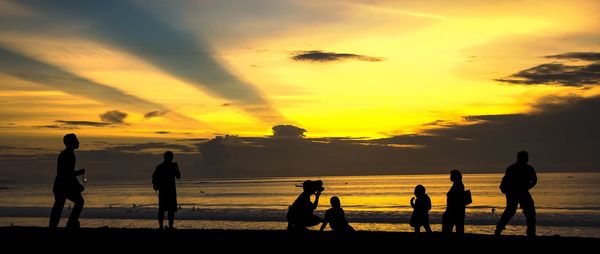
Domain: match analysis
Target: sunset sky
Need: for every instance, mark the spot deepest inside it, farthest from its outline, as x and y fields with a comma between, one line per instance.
x=361, y=72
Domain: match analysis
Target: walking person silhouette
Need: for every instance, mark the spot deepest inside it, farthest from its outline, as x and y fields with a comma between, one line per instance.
x=163, y=181
x=456, y=202
x=66, y=186
x=520, y=177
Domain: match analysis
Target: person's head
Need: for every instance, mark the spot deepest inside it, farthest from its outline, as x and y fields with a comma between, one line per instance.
x=419, y=190
x=455, y=176
x=168, y=156
x=335, y=202
x=523, y=157
x=70, y=141
x=312, y=186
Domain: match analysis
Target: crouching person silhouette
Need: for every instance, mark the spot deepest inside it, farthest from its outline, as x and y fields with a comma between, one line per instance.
x=300, y=213
x=66, y=185
x=163, y=181
x=336, y=218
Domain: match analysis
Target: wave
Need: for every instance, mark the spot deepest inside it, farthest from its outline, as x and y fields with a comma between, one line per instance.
x=278, y=215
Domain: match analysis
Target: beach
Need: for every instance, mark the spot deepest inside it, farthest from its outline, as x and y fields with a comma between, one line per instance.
x=198, y=239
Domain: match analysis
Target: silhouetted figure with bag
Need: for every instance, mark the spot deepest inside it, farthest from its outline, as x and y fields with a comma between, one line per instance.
x=163, y=181
x=516, y=183
x=66, y=186
x=456, y=200
x=300, y=213
x=336, y=218
x=421, y=206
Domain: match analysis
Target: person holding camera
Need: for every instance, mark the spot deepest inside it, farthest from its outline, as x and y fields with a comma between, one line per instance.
x=300, y=213
x=163, y=181
x=66, y=186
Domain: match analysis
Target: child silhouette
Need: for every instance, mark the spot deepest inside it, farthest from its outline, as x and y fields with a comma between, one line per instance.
x=421, y=206
x=336, y=218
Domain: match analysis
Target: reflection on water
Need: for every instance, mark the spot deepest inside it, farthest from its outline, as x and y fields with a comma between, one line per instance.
x=377, y=202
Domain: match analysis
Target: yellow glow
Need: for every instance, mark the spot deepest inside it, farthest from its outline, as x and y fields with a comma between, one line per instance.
x=439, y=64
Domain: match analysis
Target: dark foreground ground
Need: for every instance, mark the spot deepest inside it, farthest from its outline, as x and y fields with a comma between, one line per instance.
x=199, y=240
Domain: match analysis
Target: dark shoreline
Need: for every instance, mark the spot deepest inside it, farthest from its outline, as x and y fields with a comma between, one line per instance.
x=106, y=237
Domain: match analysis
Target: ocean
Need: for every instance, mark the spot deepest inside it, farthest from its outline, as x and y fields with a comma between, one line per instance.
x=568, y=204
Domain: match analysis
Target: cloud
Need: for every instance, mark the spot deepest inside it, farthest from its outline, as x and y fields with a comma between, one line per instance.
x=140, y=147
x=321, y=56
x=559, y=73
x=60, y=127
x=153, y=114
x=288, y=131
x=162, y=132
x=114, y=117
x=83, y=123
x=586, y=56
x=29, y=69
x=131, y=28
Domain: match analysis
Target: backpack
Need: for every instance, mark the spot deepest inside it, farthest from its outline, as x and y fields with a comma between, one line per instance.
x=468, y=198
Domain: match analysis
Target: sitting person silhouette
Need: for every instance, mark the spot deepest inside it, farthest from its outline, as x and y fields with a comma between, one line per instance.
x=336, y=218
x=520, y=177
x=454, y=216
x=66, y=186
x=300, y=213
x=163, y=181
x=421, y=207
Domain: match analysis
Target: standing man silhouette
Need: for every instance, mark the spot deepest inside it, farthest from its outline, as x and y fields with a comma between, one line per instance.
x=516, y=183
x=66, y=185
x=163, y=181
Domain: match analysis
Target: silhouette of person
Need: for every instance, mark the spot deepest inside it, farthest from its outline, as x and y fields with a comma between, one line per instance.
x=66, y=186
x=454, y=216
x=336, y=218
x=163, y=181
x=520, y=177
x=421, y=206
x=300, y=213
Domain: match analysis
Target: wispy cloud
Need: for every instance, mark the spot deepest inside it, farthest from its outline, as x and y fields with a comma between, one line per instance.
x=131, y=28
x=561, y=73
x=321, y=56
x=114, y=116
x=27, y=68
x=83, y=123
x=153, y=114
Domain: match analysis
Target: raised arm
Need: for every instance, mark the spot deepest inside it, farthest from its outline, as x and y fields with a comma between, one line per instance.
x=316, y=203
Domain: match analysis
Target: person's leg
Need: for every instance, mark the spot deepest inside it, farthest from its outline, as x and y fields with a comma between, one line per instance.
x=528, y=207
x=511, y=208
x=161, y=218
x=78, y=201
x=447, y=223
x=459, y=220
x=427, y=227
x=59, y=203
x=417, y=229
x=171, y=218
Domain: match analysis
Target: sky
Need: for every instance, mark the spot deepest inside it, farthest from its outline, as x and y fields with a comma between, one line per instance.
x=243, y=88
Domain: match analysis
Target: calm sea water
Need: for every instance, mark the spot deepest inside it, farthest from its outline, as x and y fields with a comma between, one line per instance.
x=567, y=204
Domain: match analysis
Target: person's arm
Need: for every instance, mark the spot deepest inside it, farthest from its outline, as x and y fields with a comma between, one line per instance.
x=412, y=202
x=428, y=203
x=80, y=172
x=324, y=224
x=316, y=203
x=177, y=172
x=533, y=179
